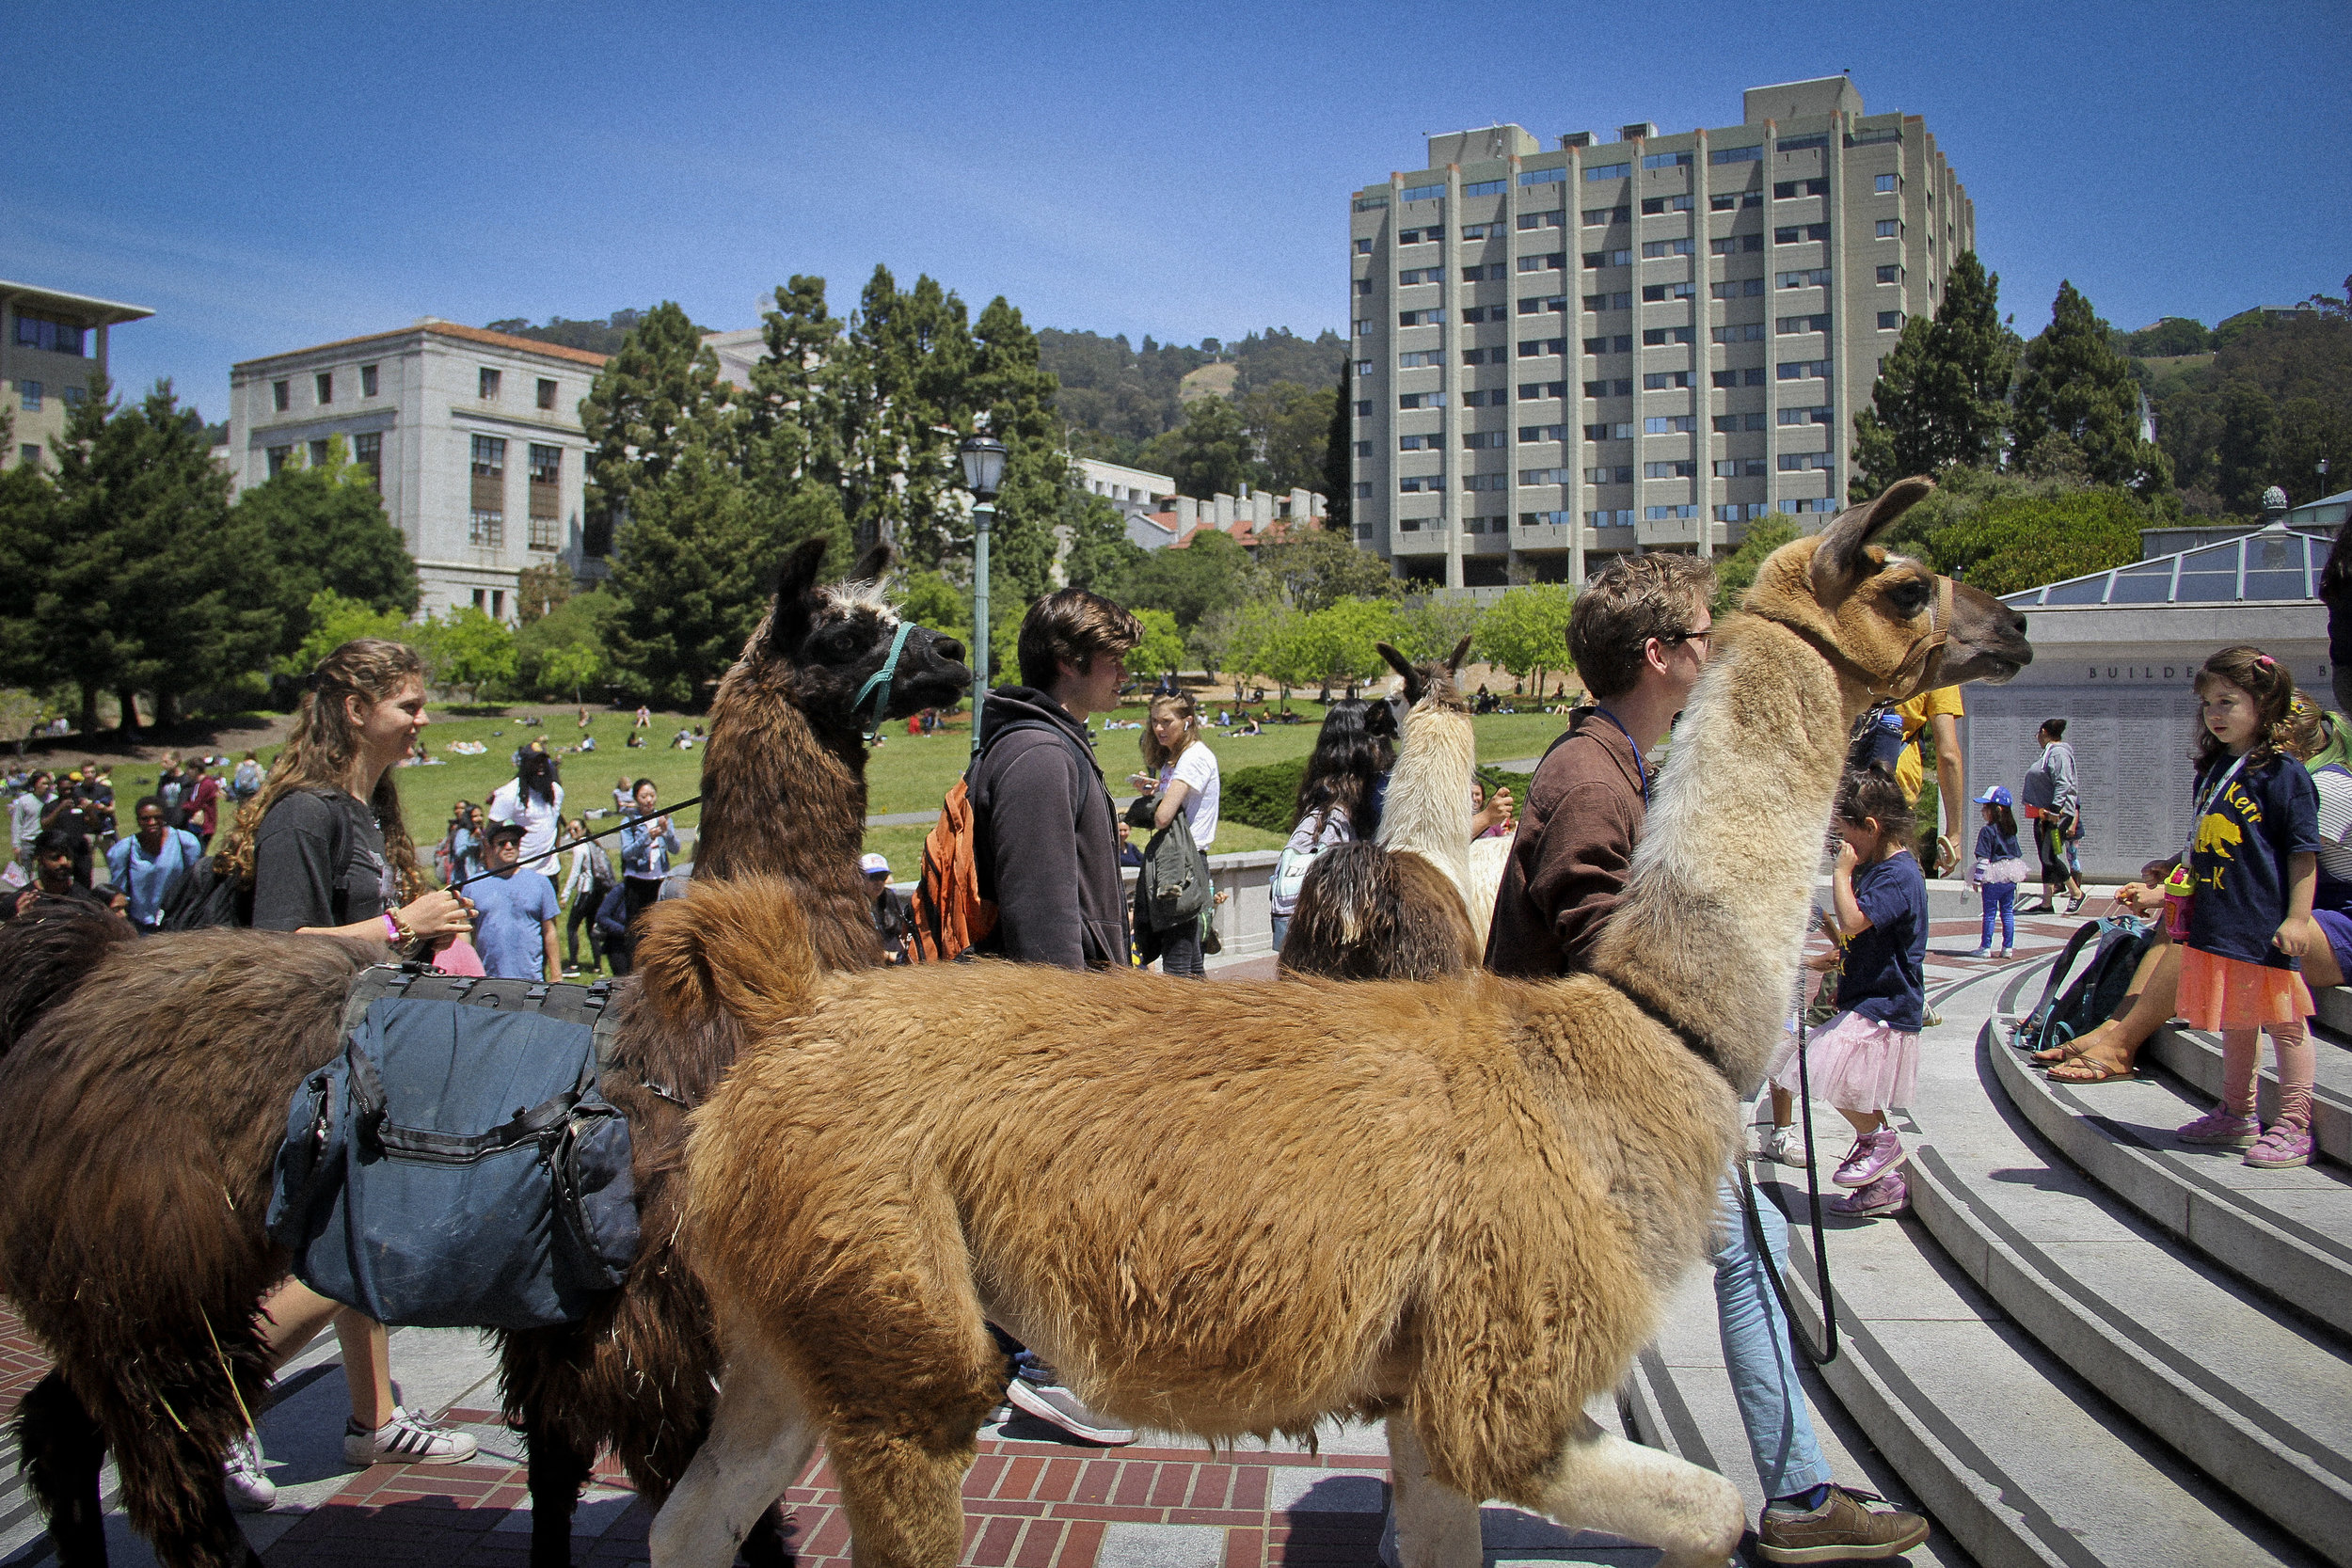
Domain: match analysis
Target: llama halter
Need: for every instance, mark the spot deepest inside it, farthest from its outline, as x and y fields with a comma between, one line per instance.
x=882, y=678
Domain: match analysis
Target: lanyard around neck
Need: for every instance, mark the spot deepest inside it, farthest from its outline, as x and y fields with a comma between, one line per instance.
x=1640, y=769
x=2206, y=802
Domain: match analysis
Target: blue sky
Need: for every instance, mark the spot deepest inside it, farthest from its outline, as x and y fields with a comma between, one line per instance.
x=267, y=177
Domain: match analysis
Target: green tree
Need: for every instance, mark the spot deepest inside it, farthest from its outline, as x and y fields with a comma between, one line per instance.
x=1315, y=567
x=465, y=649
x=1163, y=646
x=562, y=653
x=897, y=384
x=930, y=599
x=326, y=531
x=1431, y=626
x=1941, y=399
x=2172, y=336
x=542, y=590
x=1526, y=631
x=1211, y=454
x=29, y=552
x=1006, y=387
x=2021, y=540
x=1339, y=474
x=1737, y=575
x=695, y=559
x=2070, y=382
x=1210, y=570
x=1100, y=558
x=334, y=620
x=660, y=396
x=1289, y=426
x=2247, y=450
x=1340, y=644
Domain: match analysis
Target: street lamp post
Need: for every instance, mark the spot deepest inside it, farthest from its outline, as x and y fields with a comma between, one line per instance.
x=983, y=473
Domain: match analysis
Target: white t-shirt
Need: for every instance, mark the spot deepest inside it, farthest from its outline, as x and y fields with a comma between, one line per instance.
x=1198, y=767
x=2335, y=821
x=538, y=818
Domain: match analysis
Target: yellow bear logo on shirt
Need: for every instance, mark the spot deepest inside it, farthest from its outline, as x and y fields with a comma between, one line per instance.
x=2217, y=835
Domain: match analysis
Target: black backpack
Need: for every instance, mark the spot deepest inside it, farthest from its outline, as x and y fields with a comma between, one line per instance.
x=203, y=898
x=2116, y=945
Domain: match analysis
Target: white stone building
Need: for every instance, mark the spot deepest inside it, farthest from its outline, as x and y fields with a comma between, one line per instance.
x=474, y=438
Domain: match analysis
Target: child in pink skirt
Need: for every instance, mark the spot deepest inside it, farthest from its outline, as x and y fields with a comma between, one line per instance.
x=1865, y=1059
x=2252, y=867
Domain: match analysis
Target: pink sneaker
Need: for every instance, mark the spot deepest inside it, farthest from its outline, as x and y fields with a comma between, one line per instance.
x=1872, y=1156
x=2283, y=1145
x=1888, y=1195
x=2220, y=1128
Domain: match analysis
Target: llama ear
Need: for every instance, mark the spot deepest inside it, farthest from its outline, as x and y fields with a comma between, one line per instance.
x=871, y=565
x=787, y=622
x=1840, y=559
x=1461, y=651
x=1397, y=662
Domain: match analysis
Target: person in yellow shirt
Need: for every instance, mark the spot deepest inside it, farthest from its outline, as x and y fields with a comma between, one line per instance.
x=1936, y=714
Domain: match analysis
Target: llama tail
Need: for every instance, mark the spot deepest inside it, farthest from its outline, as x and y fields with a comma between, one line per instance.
x=45, y=957
x=736, y=949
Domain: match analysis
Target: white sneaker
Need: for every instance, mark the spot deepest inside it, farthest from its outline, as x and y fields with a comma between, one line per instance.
x=249, y=1488
x=408, y=1438
x=1785, y=1145
x=1057, y=1406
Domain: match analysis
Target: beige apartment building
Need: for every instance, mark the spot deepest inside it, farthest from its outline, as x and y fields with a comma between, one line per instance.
x=474, y=438
x=1562, y=356
x=51, y=344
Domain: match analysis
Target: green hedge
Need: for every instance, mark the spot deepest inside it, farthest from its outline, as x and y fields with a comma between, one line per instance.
x=1264, y=796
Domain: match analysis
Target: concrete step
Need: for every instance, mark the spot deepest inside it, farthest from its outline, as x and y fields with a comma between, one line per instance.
x=1679, y=1398
x=2019, y=1458
x=2334, y=1004
x=2287, y=1231
x=2250, y=1392
x=2194, y=1056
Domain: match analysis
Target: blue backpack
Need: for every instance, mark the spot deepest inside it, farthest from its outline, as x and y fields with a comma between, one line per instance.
x=2116, y=945
x=456, y=1166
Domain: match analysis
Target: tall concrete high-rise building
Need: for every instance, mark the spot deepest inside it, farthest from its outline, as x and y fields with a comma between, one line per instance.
x=1641, y=344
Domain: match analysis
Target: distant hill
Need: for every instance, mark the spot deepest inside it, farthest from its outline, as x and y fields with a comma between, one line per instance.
x=1116, y=397
x=597, y=337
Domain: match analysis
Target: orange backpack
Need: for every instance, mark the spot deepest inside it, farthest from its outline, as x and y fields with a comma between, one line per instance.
x=950, y=916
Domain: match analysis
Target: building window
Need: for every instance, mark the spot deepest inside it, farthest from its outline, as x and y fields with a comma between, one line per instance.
x=1787, y=189
x=1669, y=425
x=1363, y=449
x=1622, y=300
x=490, y=457
x=29, y=455
x=1727, y=200
x=1738, y=467
x=72, y=396
x=1811, y=277
x=1543, y=476
x=318, y=454
x=1820, y=503
x=1416, y=484
x=1890, y=228
x=1363, y=247
x=1421, y=400
x=1749, y=332
x=1797, y=233
x=1886, y=184
x=1652, y=205
x=1622, y=519
x=1419, y=236
x=1486, y=481
x=1788, y=325
x=1666, y=291
x=1412, y=361
x=1486, y=187
x=367, y=380
x=367, y=452
x=1418, y=443
x=1535, y=391
x=1478, y=439
x=1364, y=490
x=1536, y=305
x=1363, y=409
x=1531, y=347
x=1596, y=217
x=1620, y=387
x=1731, y=244
x=1607, y=171
x=1737, y=288
x=546, y=393
x=1371, y=203
x=1799, y=461
x=51, y=337
x=278, y=458
x=1424, y=193
x=1543, y=432
x=547, y=465
x=1677, y=469
x=1621, y=431
x=1605, y=474
x=1729, y=424
x=1419, y=274
x=1543, y=520
x=1471, y=314
x=1890, y=321
x=1803, y=369
x=1550, y=220
x=1797, y=144
x=1421, y=318
x=486, y=520
x=1543, y=177
x=1739, y=512
x=326, y=380
x=1668, y=514
x=1482, y=232
x=1494, y=356
x=486, y=528
x=1652, y=249
x=1492, y=397
x=1666, y=160
x=1493, y=272
x=1594, y=259
x=1821, y=414
x=1620, y=344
x=1550, y=261
x=1737, y=154
x=29, y=396
x=281, y=395
x=1657, y=335
x=490, y=385
x=1363, y=285
x=1891, y=272
x=1658, y=381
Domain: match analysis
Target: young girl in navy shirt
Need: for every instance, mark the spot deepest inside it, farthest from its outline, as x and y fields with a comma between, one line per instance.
x=2252, y=866
x=1996, y=870
x=1865, y=1059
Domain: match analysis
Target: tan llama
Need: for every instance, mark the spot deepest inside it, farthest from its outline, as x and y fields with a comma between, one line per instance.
x=1455, y=1203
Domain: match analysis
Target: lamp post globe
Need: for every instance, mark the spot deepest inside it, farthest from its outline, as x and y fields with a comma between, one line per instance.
x=983, y=466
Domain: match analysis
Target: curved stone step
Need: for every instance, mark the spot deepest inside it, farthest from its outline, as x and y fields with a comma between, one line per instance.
x=2021, y=1460
x=2194, y=1056
x=2287, y=1231
x=2247, y=1391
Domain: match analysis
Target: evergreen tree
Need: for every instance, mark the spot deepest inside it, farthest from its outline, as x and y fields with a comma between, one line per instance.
x=1941, y=399
x=2072, y=383
x=657, y=396
x=897, y=379
x=325, y=530
x=28, y=541
x=1015, y=395
x=2247, y=452
x=695, y=560
x=1102, y=559
x=787, y=429
x=1339, y=474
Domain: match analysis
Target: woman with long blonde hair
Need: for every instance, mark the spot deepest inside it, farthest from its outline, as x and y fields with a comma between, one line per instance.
x=1182, y=777
x=324, y=850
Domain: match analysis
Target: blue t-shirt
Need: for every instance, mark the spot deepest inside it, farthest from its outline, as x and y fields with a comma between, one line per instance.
x=1995, y=845
x=506, y=929
x=1886, y=979
x=146, y=880
x=1886, y=741
x=2239, y=859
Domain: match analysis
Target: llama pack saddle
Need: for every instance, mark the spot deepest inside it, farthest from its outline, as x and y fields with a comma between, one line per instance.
x=457, y=1166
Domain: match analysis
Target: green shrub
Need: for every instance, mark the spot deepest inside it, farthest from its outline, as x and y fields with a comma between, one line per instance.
x=1264, y=796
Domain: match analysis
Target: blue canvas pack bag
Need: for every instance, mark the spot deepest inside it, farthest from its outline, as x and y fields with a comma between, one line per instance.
x=456, y=1166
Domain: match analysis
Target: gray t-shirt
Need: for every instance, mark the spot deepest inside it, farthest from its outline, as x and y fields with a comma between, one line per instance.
x=318, y=861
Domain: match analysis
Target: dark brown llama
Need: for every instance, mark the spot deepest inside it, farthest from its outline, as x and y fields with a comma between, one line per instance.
x=1397, y=909
x=141, y=1112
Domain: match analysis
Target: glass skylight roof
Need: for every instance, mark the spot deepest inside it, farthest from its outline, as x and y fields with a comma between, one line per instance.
x=2269, y=564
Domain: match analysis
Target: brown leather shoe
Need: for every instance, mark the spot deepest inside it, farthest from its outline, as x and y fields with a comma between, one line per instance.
x=1852, y=1526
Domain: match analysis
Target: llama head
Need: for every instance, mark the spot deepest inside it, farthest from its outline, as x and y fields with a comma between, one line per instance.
x=823, y=644
x=1891, y=627
x=1431, y=678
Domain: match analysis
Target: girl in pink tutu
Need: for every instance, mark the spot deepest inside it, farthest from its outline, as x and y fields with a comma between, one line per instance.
x=2251, y=867
x=1865, y=1059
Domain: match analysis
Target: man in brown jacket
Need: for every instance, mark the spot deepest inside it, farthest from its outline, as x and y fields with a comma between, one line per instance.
x=1639, y=635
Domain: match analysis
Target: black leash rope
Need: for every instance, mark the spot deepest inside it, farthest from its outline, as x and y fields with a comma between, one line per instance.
x=584, y=838
x=1812, y=1192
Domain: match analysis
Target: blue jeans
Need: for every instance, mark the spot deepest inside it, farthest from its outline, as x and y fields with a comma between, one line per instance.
x=1757, y=1349
x=1180, y=954
x=1281, y=929
x=1999, y=898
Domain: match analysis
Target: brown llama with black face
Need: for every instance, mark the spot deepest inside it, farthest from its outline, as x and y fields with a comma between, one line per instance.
x=140, y=1114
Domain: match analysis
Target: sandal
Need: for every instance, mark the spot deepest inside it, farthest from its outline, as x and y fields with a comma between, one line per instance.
x=2077, y=1068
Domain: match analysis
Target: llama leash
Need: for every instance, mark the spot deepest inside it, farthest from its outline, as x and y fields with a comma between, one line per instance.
x=1820, y=1250
x=584, y=838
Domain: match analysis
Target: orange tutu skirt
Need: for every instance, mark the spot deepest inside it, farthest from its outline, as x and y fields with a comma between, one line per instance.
x=2229, y=993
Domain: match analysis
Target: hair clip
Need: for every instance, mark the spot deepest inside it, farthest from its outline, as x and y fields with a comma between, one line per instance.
x=2264, y=660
